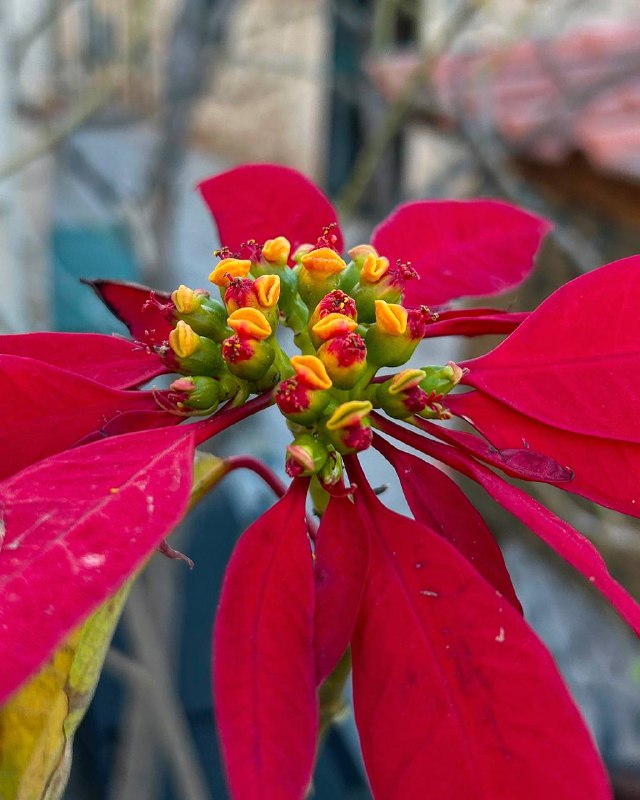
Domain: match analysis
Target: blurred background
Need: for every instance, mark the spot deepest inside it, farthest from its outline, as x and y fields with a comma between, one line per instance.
x=112, y=110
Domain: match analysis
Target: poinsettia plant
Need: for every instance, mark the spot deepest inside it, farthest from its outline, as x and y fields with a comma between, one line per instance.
x=454, y=695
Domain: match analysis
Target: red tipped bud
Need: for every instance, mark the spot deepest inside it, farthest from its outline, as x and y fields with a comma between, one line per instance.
x=331, y=326
x=336, y=302
x=349, y=427
x=247, y=358
x=305, y=456
x=401, y=396
x=345, y=358
x=300, y=403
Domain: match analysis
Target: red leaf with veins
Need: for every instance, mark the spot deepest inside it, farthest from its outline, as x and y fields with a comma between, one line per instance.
x=264, y=672
x=605, y=470
x=575, y=361
x=75, y=526
x=342, y=558
x=109, y=360
x=443, y=670
x=437, y=502
x=461, y=247
x=262, y=201
x=138, y=307
x=569, y=543
x=44, y=410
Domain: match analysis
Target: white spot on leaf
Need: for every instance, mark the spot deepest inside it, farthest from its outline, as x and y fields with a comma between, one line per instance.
x=92, y=560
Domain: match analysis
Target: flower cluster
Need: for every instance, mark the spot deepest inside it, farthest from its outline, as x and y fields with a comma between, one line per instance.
x=454, y=695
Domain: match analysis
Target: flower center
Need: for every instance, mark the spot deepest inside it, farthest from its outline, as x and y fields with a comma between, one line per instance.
x=349, y=323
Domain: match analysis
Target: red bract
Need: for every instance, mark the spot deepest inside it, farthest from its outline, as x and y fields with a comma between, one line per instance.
x=137, y=307
x=109, y=360
x=455, y=697
x=450, y=710
x=74, y=527
x=472, y=247
x=261, y=201
x=265, y=685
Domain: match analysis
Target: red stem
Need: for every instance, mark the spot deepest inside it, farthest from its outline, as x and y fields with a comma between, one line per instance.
x=260, y=469
x=224, y=419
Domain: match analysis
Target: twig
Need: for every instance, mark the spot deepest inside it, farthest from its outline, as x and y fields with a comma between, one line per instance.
x=151, y=675
x=368, y=158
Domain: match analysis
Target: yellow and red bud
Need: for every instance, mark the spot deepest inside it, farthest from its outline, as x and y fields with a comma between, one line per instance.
x=276, y=251
x=345, y=359
x=246, y=357
x=391, y=318
x=305, y=456
x=311, y=372
x=401, y=396
x=322, y=262
x=300, y=402
x=320, y=271
x=249, y=323
x=331, y=326
x=191, y=353
x=228, y=269
x=335, y=302
x=349, y=427
x=390, y=340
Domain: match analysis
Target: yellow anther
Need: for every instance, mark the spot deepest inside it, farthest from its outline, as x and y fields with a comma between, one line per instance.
x=183, y=340
x=185, y=299
x=334, y=324
x=373, y=269
x=362, y=250
x=234, y=267
x=276, y=251
x=407, y=379
x=349, y=414
x=391, y=318
x=267, y=290
x=311, y=371
x=249, y=323
x=322, y=262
